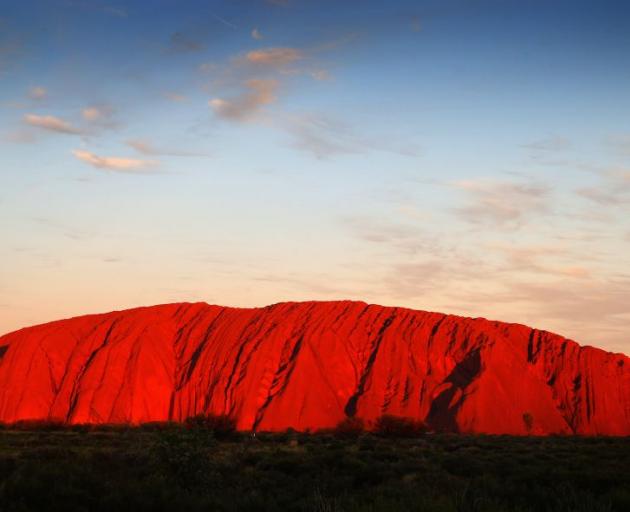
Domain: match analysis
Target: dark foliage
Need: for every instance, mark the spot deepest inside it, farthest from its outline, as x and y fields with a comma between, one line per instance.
x=397, y=426
x=222, y=426
x=350, y=427
x=171, y=467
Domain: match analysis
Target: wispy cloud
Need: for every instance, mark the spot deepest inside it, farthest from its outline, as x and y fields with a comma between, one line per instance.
x=37, y=92
x=501, y=202
x=92, y=114
x=326, y=137
x=196, y=37
x=175, y=96
x=554, y=143
x=100, y=116
x=106, y=8
x=534, y=259
x=613, y=190
x=51, y=123
x=257, y=34
x=246, y=105
x=147, y=148
x=620, y=143
x=116, y=164
x=223, y=21
x=320, y=74
x=322, y=136
x=274, y=57
x=416, y=26
x=181, y=42
x=11, y=46
x=20, y=136
x=404, y=238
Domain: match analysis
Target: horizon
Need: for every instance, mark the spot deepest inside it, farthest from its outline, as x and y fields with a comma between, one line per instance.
x=465, y=158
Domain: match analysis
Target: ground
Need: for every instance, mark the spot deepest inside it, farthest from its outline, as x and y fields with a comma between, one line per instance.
x=174, y=468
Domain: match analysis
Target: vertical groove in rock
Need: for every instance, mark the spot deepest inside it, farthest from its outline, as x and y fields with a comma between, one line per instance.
x=310, y=365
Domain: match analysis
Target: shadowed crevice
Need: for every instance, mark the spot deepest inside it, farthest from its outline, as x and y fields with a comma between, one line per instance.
x=443, y=413
x=351, y=406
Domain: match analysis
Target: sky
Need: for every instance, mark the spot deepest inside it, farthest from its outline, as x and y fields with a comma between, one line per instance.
x=469, y=157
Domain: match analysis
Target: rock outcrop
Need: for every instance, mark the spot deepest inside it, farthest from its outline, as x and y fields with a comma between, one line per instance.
x=309, y=365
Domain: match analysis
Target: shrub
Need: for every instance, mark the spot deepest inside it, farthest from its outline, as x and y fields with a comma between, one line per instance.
x=349, y=427
x=43, y=425
x=398, y=426
x=157, y=426
x=221, y=425
x=184, y=456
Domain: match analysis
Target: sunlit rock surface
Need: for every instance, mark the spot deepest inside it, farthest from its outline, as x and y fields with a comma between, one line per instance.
x=307, y=366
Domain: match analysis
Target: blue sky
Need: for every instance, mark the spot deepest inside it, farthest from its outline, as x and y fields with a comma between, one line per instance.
x=470, y=157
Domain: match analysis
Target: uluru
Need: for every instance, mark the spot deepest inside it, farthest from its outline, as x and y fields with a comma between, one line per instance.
x=308, y=366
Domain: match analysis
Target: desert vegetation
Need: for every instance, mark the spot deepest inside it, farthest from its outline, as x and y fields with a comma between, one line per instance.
x=389, y=464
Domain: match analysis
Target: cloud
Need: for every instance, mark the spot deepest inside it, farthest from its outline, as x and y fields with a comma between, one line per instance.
x=534, y=260
x=405, y=238
x=115, y=11
x=207, y=67
x=10, y=47
x=112, y=10
x=20, y=136
x=320, y=74
x=223, y=21
x=416, y=26
x=274, y=57
x=595, y=311
x=555, y=143
x=621, y=143
x=181, y=42
x=146, y=148
x=256, y=34
x=99, y=117
x=260, y=92
x=117, y=164
x=92, y=114
x=175, y=97
x=325, y=137
x=500, y=203
x=603, y=197
x=98, y=114
x=614, y=189
x=37, y=92
x=51, y=123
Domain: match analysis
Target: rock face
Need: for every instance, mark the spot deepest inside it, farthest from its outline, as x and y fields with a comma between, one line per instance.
x=307, y=366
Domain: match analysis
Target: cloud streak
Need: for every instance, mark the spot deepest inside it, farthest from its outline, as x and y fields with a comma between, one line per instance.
x=116, y=164
x=555, y=143
x=147, y=148
x=51, y=123
x=245, y=106
x=614, y=190
x=501, y=202
x=37, y=92
x=274, y=57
